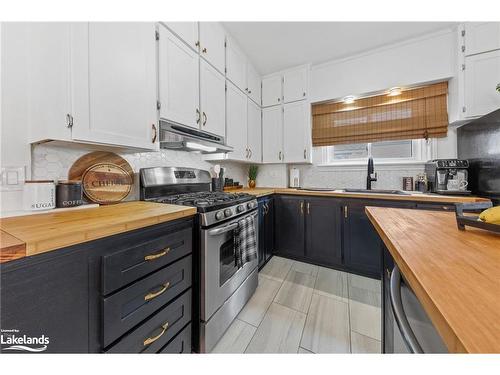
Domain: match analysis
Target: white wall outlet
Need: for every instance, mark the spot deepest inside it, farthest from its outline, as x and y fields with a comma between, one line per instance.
x=12, y=178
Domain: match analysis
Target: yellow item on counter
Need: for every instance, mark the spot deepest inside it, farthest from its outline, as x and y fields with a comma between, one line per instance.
x=491, y=215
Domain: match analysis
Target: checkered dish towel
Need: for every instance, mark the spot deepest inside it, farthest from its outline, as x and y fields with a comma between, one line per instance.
x=245, y=241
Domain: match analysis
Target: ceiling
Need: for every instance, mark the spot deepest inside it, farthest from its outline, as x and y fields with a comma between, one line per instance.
x=272, y=46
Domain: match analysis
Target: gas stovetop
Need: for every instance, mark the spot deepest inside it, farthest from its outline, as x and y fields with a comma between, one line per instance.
x=206, y=201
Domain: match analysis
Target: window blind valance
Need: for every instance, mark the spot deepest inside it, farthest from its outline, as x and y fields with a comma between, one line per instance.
x=416, y=113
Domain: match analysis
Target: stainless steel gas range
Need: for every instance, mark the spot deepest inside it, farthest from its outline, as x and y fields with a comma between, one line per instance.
x=223, y=287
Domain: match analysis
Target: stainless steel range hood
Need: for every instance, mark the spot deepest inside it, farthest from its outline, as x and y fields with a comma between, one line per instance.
x=184, y=138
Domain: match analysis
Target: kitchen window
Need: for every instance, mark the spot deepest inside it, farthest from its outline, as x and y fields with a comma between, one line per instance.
x=392, y=128
x=385, y=152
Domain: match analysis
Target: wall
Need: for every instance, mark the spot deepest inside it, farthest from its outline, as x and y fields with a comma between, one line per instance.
x=420, y=60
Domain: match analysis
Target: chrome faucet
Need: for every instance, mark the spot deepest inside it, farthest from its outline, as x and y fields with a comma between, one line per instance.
x=371, y=175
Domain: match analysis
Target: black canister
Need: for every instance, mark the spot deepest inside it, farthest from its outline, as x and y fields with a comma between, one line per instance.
x=68, y=194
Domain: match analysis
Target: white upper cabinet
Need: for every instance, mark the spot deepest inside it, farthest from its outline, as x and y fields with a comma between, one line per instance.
x=236, y=120
x=481, y=37
x=272, y=134
x=297, y=132
x=482, y=75
x=271, y=90
x=49, y=80
x=212, y=40
x=114, y=83
x=213, y=99
x=253, y=84
x=178, y=80
x=254, y=132
x=236, y=64
x=187, y=31
x=295, y=84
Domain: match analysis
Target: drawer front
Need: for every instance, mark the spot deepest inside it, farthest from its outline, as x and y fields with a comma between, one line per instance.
x=128, y=307
x=180, y=344
x=157, y=332
x=126, y=266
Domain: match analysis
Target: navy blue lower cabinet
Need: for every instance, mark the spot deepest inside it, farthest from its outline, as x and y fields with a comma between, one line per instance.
x=361, y=242
x=73, y=300
x=289, y=226
x=323, y=231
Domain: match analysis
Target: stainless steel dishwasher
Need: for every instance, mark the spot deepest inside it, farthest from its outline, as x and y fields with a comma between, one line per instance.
x=406, y=326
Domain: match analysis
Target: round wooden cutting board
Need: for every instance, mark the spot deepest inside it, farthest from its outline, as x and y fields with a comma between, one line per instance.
x=106, y=177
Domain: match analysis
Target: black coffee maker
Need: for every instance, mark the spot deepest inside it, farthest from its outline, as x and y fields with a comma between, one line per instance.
x=448, y=176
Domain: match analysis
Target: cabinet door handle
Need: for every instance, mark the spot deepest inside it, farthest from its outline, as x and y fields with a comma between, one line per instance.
x=302, y=207
x=345, y=212
x=197, y=44
x=152, y=295
x=279, y=155
x=205, y=118
x=151, y=340
x=204, y=50
x=246, y=152
x=155, y=133
x=305, y=153
x=158, y=255
x=304, y=94
x=279, y=99
x=308, y=208
x=250, y=150
x=197, y=116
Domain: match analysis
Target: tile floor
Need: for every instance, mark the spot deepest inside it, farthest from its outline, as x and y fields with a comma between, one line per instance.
x=303, y=308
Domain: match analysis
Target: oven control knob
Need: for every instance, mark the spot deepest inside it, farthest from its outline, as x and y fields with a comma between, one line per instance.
x=250, y=205
x=240, y=208
x=219, y=215
x=228, y=212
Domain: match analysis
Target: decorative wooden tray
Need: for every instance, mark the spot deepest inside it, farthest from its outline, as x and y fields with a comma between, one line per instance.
x=106, y=177
x=473, y=221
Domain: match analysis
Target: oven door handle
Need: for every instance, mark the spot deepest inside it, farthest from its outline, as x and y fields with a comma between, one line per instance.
x=224, y=229
x=227, y=228
x=409, y=337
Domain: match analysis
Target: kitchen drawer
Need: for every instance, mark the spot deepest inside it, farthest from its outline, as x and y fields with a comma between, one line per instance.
x=436, y=206
x=159, y=329
x=180, y=344
x=128, y=307
x=123, y=267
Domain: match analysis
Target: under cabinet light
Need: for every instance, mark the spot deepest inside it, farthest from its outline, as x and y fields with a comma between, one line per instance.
x=349, y=99
x=198, y=146
x=395, y=91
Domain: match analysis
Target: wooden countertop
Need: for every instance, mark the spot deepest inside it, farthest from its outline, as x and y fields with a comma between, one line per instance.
x=260, y=192
x=455, y=274
x=35, y=234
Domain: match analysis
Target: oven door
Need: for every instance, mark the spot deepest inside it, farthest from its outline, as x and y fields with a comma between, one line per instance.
x=220, y=277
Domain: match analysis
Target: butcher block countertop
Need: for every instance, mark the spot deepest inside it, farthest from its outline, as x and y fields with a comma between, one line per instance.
x=455, y=274
x=260, y=192
x=35, y=234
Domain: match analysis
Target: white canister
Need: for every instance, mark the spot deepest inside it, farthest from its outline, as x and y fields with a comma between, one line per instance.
x=39, y=195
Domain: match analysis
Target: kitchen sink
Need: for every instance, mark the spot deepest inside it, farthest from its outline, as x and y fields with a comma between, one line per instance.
x=376, y=191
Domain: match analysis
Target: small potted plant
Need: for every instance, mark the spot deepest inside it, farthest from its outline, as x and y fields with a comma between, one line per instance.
x=252, y=176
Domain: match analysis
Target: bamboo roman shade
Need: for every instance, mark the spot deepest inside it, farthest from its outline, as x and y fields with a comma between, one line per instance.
x=416, y=113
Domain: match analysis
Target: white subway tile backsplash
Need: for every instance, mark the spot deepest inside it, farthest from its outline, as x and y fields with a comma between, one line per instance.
x=53, y=162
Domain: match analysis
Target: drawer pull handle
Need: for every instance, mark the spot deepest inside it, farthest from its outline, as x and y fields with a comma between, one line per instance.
x=152, y=295
x=151, y=340
x=158, y=255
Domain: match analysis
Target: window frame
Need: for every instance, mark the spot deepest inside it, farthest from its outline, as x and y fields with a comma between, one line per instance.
x=422, y=150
